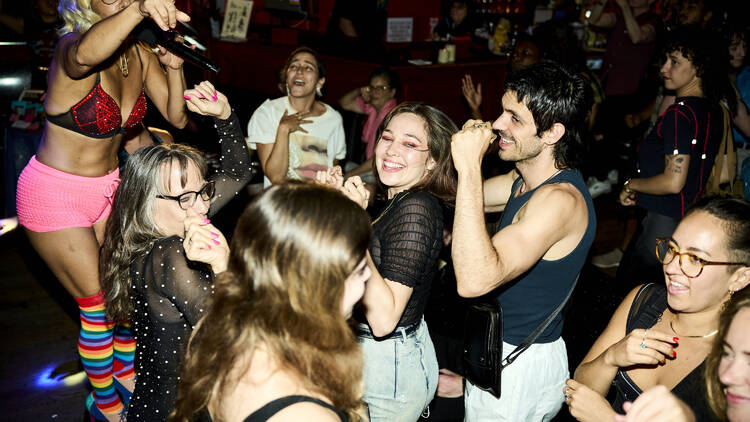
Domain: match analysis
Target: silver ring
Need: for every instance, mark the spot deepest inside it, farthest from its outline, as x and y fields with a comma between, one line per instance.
x=643, y=344
x=480, y=124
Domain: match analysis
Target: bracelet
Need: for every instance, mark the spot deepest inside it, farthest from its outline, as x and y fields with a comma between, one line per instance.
x=626, y=187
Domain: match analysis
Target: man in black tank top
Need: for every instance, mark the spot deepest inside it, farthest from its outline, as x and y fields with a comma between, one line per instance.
x=541, y=243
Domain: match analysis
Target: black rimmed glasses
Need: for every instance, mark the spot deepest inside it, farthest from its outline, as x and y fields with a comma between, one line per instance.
x=187, y=199
x=691, y=265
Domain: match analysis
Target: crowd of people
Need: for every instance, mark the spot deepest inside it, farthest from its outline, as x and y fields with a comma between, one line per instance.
x=314, y=308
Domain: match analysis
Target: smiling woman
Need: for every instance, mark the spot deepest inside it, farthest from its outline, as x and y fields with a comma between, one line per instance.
x=661, y=335
x=161, y=253
x=297, y=135
x=415, y=168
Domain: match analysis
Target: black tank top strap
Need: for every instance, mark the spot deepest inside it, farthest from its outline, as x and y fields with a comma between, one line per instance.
x=647, y=307
x=138, y=52
x=275, y=406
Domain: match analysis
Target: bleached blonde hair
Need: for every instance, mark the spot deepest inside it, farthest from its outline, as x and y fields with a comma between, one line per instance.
x=77, y=15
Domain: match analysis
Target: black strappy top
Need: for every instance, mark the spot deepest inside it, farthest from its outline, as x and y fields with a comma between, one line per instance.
x=98, y=115
x=275, y=406
x=647, y=307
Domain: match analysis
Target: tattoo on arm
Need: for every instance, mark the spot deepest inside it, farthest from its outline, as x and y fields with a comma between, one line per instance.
x=675, y=164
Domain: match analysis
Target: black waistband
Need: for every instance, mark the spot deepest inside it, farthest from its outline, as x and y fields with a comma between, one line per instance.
x=363, y=330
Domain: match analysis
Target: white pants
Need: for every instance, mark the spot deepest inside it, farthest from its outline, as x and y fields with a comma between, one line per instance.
x=531, y=387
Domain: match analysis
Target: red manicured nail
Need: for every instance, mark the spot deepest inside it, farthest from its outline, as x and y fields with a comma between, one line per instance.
x=187, y=97
x=215, y=235
x=216, y=242
x=674, y=354
x=675, y=339
x=206, y=220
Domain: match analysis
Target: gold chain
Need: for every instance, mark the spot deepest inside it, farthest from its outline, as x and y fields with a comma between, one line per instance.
x=711, y=334
x=385, y=211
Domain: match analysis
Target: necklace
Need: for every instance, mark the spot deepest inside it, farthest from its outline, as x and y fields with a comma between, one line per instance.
x=390, y=204
x=522, y=188
x=124, y=64
x=711, y=334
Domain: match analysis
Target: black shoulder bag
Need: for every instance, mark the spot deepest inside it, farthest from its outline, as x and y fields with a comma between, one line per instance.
x=483, y=343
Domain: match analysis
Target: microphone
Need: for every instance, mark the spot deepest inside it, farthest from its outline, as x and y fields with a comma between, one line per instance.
x=150, y=33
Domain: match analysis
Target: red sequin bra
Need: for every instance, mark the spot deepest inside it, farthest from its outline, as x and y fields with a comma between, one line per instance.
x=97, y=115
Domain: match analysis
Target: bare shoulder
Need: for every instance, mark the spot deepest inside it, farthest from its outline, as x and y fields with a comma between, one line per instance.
x=305, y=411
x=561, y=198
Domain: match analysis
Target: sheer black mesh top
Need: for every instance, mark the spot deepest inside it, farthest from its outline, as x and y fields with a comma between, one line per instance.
x=170, y=293
x=407, y=239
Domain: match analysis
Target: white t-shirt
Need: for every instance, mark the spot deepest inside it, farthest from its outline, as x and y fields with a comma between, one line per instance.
x=309, y=152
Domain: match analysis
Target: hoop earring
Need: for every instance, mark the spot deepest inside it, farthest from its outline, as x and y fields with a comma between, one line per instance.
x=318, y=91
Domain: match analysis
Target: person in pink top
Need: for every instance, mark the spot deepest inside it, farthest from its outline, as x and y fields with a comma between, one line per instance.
x=374, y=100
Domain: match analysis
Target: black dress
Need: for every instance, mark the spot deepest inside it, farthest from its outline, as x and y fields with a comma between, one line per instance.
x=645, y=311
x=170, y=293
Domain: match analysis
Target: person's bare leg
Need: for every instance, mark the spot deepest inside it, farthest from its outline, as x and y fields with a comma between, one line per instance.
x=73, y=256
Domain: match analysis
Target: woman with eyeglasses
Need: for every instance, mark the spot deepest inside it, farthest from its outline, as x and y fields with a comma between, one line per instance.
x=415, y=169
x=727, y=372
x=661, y=334
x=161, y=253
x=375, y=100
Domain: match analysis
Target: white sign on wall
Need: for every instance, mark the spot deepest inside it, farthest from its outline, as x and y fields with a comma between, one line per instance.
x=236, y=19
x=399, y=30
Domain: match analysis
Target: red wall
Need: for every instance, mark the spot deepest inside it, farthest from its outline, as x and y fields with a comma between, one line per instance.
x=421, y=11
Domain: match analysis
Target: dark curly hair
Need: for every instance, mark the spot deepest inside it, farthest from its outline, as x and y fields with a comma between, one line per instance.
x=711, y=63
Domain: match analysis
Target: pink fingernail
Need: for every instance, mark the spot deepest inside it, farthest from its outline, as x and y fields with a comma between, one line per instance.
x=215, y=235
x=206, y=220
x=215, y=98
x=203, y=96
x=209, y=246
x=187, y=97
x=216, y=242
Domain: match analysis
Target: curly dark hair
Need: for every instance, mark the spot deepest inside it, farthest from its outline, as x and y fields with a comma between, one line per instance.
x=711, y=63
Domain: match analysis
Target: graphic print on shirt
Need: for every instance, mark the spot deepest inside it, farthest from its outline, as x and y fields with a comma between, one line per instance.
x=307, y=155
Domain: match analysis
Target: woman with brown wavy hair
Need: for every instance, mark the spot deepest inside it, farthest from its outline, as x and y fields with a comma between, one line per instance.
x=414, y=169
x=727, y=366
x=276, y=338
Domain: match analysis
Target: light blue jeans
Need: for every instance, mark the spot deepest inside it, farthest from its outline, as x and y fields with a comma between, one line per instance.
x=400, y=374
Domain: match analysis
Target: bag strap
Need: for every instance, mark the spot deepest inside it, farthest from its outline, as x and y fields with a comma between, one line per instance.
x=529, y=340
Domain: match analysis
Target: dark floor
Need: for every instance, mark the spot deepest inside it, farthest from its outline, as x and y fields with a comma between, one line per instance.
x=40, y=327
